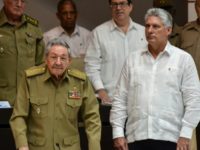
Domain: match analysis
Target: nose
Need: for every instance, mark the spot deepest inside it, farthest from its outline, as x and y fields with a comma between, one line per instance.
x=58, y=61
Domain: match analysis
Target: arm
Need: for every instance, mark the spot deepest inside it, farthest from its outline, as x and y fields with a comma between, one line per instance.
x=91, y=117
x=93, y=62
x=19, y=115
x=191, y=98
x=118, y=113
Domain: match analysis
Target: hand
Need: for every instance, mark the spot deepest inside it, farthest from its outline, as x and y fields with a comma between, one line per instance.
x=183, y=144
x=120, y=143
x=103, y=95
x=24, y=148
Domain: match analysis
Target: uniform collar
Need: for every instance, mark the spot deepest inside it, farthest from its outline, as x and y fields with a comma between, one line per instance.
x=4, y=18
x=47, y=76
x=176, y=30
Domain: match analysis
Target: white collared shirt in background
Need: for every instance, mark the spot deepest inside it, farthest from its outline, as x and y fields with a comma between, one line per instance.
x=160, y=97
x=107, y=51
x=77, y=42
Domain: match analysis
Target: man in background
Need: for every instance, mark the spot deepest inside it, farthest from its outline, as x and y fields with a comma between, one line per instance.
x=111, y=42
x=168, y=5
x=76, y=36
x=190, y=42
x=21, y=46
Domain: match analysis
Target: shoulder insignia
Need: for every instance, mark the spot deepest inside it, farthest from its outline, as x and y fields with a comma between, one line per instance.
x=188, y=25
x=31, y=20
x=35, y=71
x=77, y=74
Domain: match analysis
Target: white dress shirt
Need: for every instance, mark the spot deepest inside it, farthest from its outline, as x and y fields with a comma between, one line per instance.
x=77, y=42
x=159, y=97
x=108, y=50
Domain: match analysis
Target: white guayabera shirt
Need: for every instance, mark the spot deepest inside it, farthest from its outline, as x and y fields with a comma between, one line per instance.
x=108, y=50
x=159, y=97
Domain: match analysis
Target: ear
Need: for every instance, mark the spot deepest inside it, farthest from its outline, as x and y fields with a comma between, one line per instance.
x=58, y=15
x=169, y=30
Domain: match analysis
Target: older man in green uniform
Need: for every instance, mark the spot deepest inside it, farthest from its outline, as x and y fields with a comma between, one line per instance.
x=190, y=41
x=45, y=115
x=21, y=46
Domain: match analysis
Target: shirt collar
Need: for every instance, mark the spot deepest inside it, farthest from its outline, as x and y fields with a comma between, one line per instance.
x=76, y=31
x=114, y=26
x=168, y=49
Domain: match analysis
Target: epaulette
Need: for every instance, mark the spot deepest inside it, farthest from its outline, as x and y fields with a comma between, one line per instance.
x=188, y=25
x=77, y=74
x=35, y=71
x=31, y=20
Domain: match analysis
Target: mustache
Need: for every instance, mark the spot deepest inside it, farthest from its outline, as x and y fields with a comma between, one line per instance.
x=57, y=67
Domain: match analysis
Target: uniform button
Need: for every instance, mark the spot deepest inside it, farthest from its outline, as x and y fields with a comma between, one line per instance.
x=1, y=49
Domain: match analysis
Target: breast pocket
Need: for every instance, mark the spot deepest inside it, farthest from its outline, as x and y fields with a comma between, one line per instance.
x=72, y=108
x=31, y=42
x=39, y=107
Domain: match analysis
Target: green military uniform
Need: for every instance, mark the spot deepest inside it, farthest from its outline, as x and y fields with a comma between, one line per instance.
x=45, y=114
x=21, y=47
x=174, y=38
x=190, y=42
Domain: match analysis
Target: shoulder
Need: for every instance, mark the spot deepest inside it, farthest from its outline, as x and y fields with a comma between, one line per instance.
x=104, y=26
x=31, y=20
x=77, y=74
x=34, y=71
x=189, y=25
x=54, y=30
x=83, y=29
x=138, y=26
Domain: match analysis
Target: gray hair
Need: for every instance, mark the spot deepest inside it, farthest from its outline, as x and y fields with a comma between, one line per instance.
x=165, y=17
x=57, y=41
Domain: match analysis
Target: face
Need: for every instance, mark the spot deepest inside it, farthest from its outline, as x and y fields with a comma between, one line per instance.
x=14, y=8
x=197, y=8
x=67, y=16
x=156, y=32
x=120, y=10
x=57, y=60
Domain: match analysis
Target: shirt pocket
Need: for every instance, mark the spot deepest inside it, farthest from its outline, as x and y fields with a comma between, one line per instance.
x=39, y=107
x=72, y=142
x=31, y=42
x=36, y=141
x=72, y=108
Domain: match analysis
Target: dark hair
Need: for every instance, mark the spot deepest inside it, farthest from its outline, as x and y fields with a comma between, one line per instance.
x=62, y=2
x=129, y=1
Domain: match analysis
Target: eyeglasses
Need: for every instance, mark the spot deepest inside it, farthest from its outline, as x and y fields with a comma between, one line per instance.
x=121, y=4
